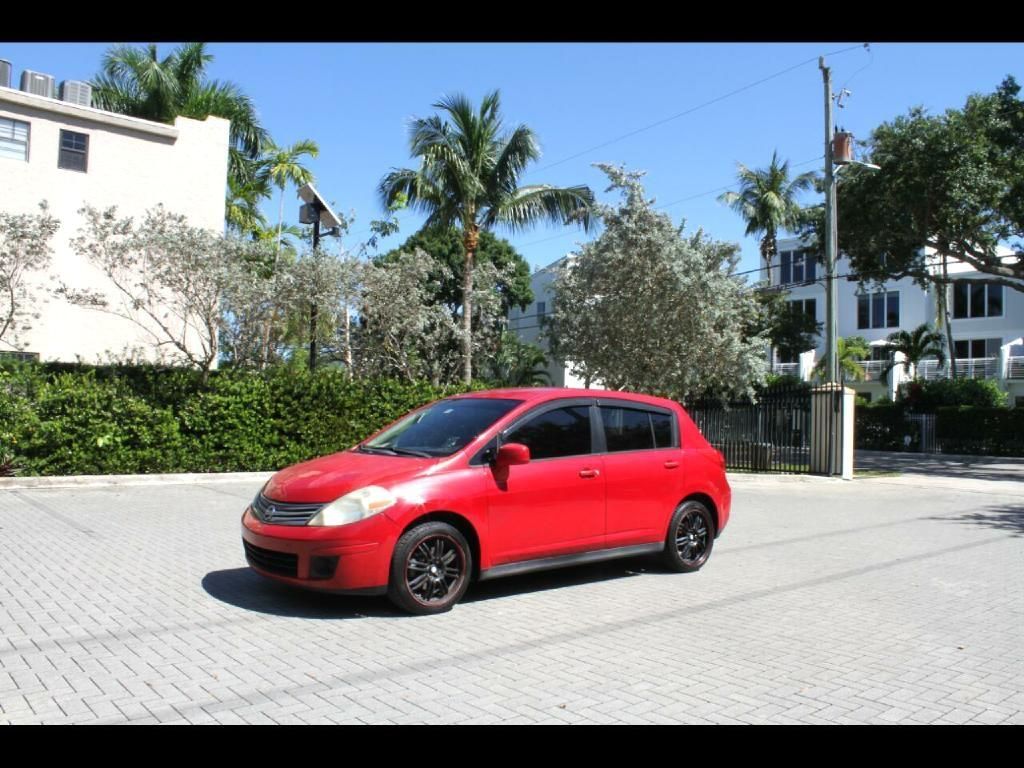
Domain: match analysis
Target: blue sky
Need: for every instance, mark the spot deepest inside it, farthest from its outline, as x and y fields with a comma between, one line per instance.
x=355, y=100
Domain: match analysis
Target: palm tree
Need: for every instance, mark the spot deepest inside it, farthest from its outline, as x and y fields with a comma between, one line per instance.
x=242, y=212
x=136, y=81
x=849, y=353
x=916, y=345
x=283, y=166
x=518, y=364
x=469, y=177
x=767, y=202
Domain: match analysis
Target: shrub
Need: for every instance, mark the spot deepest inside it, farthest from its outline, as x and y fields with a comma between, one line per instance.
x=929, y=396
x=68, y=419
x=985, y=431
x=882, y=427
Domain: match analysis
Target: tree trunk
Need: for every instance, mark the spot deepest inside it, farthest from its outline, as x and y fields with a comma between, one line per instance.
x=471, y=240
x=944, y=299
x=280, y=226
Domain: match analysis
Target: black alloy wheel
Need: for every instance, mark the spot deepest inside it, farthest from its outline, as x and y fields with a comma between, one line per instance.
x=430, y=569
x=691, y=535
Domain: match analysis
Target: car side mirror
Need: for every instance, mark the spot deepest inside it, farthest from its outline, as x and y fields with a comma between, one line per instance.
x=512, y=453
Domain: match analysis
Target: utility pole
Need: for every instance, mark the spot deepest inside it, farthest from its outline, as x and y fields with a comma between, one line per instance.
x=831, y=348
x=313, y=308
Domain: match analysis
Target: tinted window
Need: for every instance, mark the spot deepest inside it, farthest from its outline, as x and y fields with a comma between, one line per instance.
x=561, y=432
x=74, y=151
x=442, y=428
x=662, y=424
x=626, y=429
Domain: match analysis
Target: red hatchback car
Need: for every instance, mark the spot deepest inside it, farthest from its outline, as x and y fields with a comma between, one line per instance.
x=490, y=484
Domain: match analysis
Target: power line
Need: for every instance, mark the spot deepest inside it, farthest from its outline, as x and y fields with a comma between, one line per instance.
x=696, y=108
x=684, y=113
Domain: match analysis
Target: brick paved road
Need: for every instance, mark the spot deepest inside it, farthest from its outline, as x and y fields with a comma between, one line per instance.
x=881, y=600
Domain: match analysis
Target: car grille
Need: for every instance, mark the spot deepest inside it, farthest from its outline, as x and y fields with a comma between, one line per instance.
x=282, y=563
x=282, y=513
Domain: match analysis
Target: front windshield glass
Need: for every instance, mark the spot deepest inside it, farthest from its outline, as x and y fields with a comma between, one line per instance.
x=440, y=429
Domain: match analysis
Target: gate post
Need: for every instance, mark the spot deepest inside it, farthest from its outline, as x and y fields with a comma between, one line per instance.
x=832, y=430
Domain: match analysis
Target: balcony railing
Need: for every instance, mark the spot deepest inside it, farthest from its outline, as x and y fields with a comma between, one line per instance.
x=786, y=369
x=1015, y=368
x=972, y=368
x=872, y=368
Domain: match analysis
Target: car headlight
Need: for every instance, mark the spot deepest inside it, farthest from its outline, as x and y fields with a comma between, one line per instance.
x=355, y=506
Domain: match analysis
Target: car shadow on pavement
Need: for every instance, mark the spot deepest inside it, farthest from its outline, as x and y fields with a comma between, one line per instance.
x=540, y=581
x=1002, y=517
x=244, y=588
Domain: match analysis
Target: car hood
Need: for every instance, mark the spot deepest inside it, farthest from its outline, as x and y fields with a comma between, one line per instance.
x=330, y=477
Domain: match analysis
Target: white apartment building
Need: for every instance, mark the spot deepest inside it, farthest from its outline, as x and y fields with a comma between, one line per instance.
x=70, y=155
x=527, y=324
x=987, y=321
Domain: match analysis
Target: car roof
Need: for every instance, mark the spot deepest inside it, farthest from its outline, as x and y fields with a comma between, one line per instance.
x=542, y=394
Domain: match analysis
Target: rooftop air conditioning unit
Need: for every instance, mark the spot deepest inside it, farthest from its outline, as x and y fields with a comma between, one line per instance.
x=5, y=73
x=38, y=84
x=76, y=92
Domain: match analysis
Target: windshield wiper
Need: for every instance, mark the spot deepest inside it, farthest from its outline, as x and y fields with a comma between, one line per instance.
x=410, y=452
x=392, y=451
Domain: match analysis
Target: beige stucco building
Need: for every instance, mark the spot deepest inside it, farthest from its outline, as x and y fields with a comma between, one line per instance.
x=72, y=155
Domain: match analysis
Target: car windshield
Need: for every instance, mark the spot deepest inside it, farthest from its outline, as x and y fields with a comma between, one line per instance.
x=440, y=429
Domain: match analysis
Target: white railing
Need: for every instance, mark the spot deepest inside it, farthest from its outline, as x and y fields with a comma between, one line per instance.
x=1015, y=367
x=872, y=368
x=929, y=370
x=971, y=368
x=786, y=369
x=978, y=368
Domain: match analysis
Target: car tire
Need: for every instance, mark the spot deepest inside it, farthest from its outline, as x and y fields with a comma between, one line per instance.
x=691, y=535
x=430, y=569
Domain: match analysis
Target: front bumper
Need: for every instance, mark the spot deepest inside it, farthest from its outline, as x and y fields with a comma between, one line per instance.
x=286, y=553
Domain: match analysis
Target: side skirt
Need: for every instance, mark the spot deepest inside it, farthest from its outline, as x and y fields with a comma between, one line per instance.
x=564, y=561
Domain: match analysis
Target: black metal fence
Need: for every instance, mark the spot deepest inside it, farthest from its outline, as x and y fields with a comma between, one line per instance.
x=774, y=431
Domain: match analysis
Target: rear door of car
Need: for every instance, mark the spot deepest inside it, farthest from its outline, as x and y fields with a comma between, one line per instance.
x=554, y=504
x=643, y=469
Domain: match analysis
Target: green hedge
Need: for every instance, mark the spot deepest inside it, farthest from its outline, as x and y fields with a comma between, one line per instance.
x=981, y=431
x=60, y=419
x=929, y=396
x=882, y=427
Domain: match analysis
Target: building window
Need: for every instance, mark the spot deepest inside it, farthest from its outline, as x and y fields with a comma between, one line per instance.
x=808, y=307
x=74, y=151
x=975, y=298
x=878, y=310
x=797, y=267
x=13, y=139
x=973, y=349
x=541, y=308
x=24, y=357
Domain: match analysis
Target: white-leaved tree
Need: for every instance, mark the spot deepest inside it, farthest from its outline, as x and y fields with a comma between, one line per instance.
x=24, y=249
x=170, y=279
x=648, y=308
x=405, y=332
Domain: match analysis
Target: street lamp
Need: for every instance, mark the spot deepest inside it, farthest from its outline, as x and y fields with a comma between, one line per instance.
x=316, y=211
x=838, y=152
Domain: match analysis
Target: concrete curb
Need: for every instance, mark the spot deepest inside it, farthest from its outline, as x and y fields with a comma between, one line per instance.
x=87, y=481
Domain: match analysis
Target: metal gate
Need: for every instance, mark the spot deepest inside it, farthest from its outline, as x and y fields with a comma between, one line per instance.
x=789, y=429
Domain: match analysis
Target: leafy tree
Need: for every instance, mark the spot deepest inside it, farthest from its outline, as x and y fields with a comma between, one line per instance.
x=446, y=246
x=136, y=81
x=170, y=279
x=915, y=346
x=950, y=183
x=24, y=250
x=283, y=166
x=790, y=331
x=469, y=177
x=517, y=364
x=767, y=202
x=849, y=352
x=645, y=307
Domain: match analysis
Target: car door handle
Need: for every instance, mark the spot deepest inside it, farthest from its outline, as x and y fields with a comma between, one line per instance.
x=671, y=464
x=589, y=473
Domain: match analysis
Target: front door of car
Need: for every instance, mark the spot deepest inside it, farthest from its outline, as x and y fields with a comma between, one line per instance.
x=555, y=503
